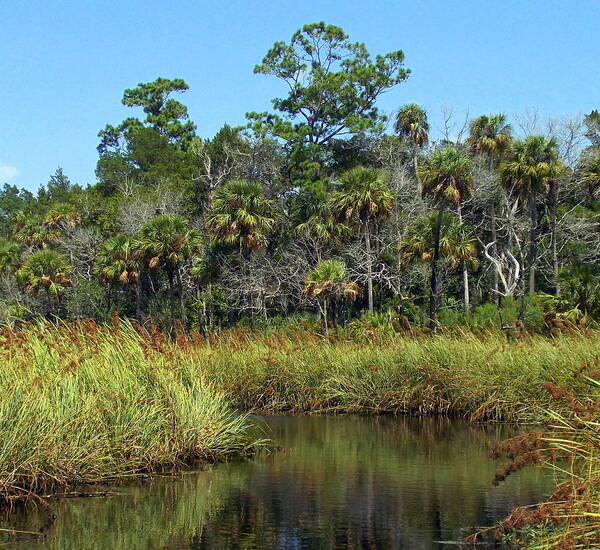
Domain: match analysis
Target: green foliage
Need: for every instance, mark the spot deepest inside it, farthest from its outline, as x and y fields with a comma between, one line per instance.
x=362, y=194
x=333, y=85
x=457, y=242
x=490, y=316
x=329, y=280
x=10, y=256
x=168, y=240
x=411, y=122
x=47, y=270
x=446, y=177
x=531, y=164
x=590, y=174
x=489, y=135
x=86, y=300
x=579, y=301
x=241, y=216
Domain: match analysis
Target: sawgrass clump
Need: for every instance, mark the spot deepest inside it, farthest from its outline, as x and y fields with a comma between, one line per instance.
x=82, y=403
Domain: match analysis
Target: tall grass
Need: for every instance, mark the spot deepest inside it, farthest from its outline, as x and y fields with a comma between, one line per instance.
x=570, y=447
x=83, y=404
x=480, y=377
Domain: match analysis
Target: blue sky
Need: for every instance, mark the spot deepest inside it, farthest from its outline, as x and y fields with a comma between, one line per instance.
x=64, y=64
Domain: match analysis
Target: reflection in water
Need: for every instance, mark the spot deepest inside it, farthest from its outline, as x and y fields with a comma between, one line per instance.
x=340, y=483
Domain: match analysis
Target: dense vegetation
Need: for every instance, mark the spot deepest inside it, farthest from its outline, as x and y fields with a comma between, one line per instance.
x=318, y=207
x=85, y=402
x=324, y=208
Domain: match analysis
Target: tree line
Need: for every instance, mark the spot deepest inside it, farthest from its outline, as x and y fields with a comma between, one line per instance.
x=320, y=206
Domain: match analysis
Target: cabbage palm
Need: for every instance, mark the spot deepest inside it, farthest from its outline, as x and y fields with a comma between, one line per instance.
x=411, y=122
x=590, y=175
x=241, y=216
x=62, y=215
x=168, y=241
x=363, y=196
x=318, y=222
x=327, y=282
x=45, y=270
x=531, y=165
x=458, y=246
x=457, y=243
x=446, y=178
x=33, y=232
x=120, y=261
x=10, y=256
x=490, y=136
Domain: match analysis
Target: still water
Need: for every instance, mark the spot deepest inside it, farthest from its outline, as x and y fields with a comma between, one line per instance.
x=339, y=483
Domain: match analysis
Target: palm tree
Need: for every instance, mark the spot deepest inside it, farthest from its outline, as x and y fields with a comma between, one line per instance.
x=446, y=178
x=531, y=166
x=590, y=176
x=10, y=256
x=411, y=122
x=328, y=282
x=33, y=232
x=458, y=246
x=168, y=240
x=241, y=216
x=45, y=270
x=490, y=136
x=120, y=261
x=318, y=223
x=363, y=195
x=62, y=215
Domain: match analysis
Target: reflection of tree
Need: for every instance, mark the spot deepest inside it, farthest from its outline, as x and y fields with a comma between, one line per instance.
x=341, y=482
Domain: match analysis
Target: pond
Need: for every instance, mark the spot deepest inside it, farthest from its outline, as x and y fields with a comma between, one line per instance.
x=343, y=482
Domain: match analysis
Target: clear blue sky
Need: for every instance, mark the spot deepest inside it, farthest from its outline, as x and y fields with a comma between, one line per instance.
x=65, y=64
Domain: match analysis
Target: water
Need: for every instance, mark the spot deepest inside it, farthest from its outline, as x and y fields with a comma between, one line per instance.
x=340, y=483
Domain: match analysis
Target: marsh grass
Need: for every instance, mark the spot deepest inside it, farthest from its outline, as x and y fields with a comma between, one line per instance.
x=85, y=403
x=82, y=403
x=481, y=377
x=570, y=447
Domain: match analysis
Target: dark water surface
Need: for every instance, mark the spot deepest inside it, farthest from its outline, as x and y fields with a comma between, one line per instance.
x=340, y=483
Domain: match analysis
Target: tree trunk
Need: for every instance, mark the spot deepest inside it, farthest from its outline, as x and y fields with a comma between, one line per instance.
x=466, y=294
x=553, y=239
x=533, y=211
x=325, y=316
x=465, y=275
x=434, y=290
x=181, y=297
x=494, y=248
x=171, y=296
x=138, y=298
x=369, y=266
x=416, y=164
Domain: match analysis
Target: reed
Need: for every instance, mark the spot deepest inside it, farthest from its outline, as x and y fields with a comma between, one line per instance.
x=482, y=377
x=569, y=446
x=86, y=404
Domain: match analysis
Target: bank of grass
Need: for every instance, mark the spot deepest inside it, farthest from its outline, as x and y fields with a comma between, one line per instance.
x=87, y=404
x=480, y=377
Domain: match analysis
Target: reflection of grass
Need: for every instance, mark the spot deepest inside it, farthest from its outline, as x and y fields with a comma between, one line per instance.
x=366, y=482
x=81, y=405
